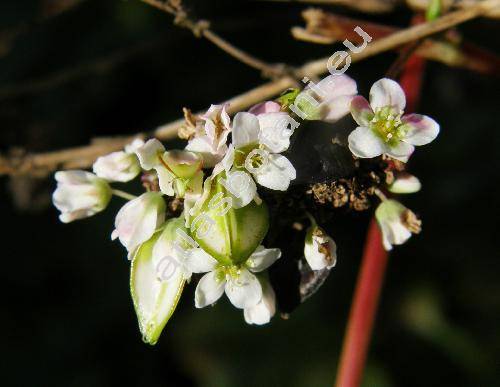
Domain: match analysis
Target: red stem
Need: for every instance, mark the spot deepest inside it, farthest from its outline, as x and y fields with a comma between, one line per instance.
x=363, y=310
x=371, y=274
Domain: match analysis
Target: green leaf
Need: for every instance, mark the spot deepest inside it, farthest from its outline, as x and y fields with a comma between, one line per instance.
x=154, y=300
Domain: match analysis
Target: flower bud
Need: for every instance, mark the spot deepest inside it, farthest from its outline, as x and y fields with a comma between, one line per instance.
x=396, y=222
x=137, y=220
x=262, y=313
x=80, y=194
x=117, y=166
x=320, y=250
x=405, y=184
x=227, y=233
x=155, y=299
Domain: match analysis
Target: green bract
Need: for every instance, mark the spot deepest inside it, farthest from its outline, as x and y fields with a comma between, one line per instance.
x=228, y=234
x=154, y=299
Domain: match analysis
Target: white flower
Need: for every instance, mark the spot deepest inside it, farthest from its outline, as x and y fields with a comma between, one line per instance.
x=137, y=220
x=405, y=184
x=320, y=249
x=383, y=127
x=256, y=147
x=396, y=222
x=262, y=313
x=210, y=141
x=174, y=168
x=329, y=100
x=80, y=194
x=119, y=166
x=240, y=284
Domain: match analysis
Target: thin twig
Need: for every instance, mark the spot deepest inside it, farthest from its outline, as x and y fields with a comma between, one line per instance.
x=369, y=6
x=202, y=28
x=82, y=157
x=327, y=28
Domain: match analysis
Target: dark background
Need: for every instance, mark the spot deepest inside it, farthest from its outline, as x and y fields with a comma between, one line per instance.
x=67, y=316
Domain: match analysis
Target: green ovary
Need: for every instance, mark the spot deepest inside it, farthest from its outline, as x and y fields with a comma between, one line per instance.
x=386, y=123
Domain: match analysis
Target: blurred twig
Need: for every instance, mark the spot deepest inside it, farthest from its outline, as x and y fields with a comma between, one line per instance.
x=327, y=28
x=83, y=157
x=368, y=6
x=201, y=28
x=98, y=66
x=50, y=9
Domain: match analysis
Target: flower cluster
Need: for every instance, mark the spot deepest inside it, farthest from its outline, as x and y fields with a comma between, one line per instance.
x=218, y=176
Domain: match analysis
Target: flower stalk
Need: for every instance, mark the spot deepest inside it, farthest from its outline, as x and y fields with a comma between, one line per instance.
x=123, y=194
x=363, y=310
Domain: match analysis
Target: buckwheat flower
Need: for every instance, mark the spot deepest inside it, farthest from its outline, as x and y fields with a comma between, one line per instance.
x=320, y=249
x=80, y=194
x=138, y=220
x=174, y=168
x=238, y=281
x=265, y=309
x=405, y=184
x=383, y=127
x=396, y=222
x=211, y=136
x=119, y=166
x=328, y=100
x=255, y=150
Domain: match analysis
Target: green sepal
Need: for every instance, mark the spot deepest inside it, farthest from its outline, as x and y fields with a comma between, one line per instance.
x=287, y=98
x=154, y=300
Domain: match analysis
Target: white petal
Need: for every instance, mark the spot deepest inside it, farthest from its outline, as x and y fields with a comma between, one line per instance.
x=262, y=258
x=148, y=153
x=211, y=155
x=421, y=129
x=262, y=312
x=208, y=290
x=386, y=92
x=245, y=290
x=276, y=174
x=226, y=163
x=275, y=132
x=242, y=188
x=245, y=129
x=134, y=145
x=361, y=111
x=334, y=86
x=137, y=220
x=363, y=142
x=401, y=151
x=198, y=261
x=165, y=180
x=74, y=177
x=337, y=108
